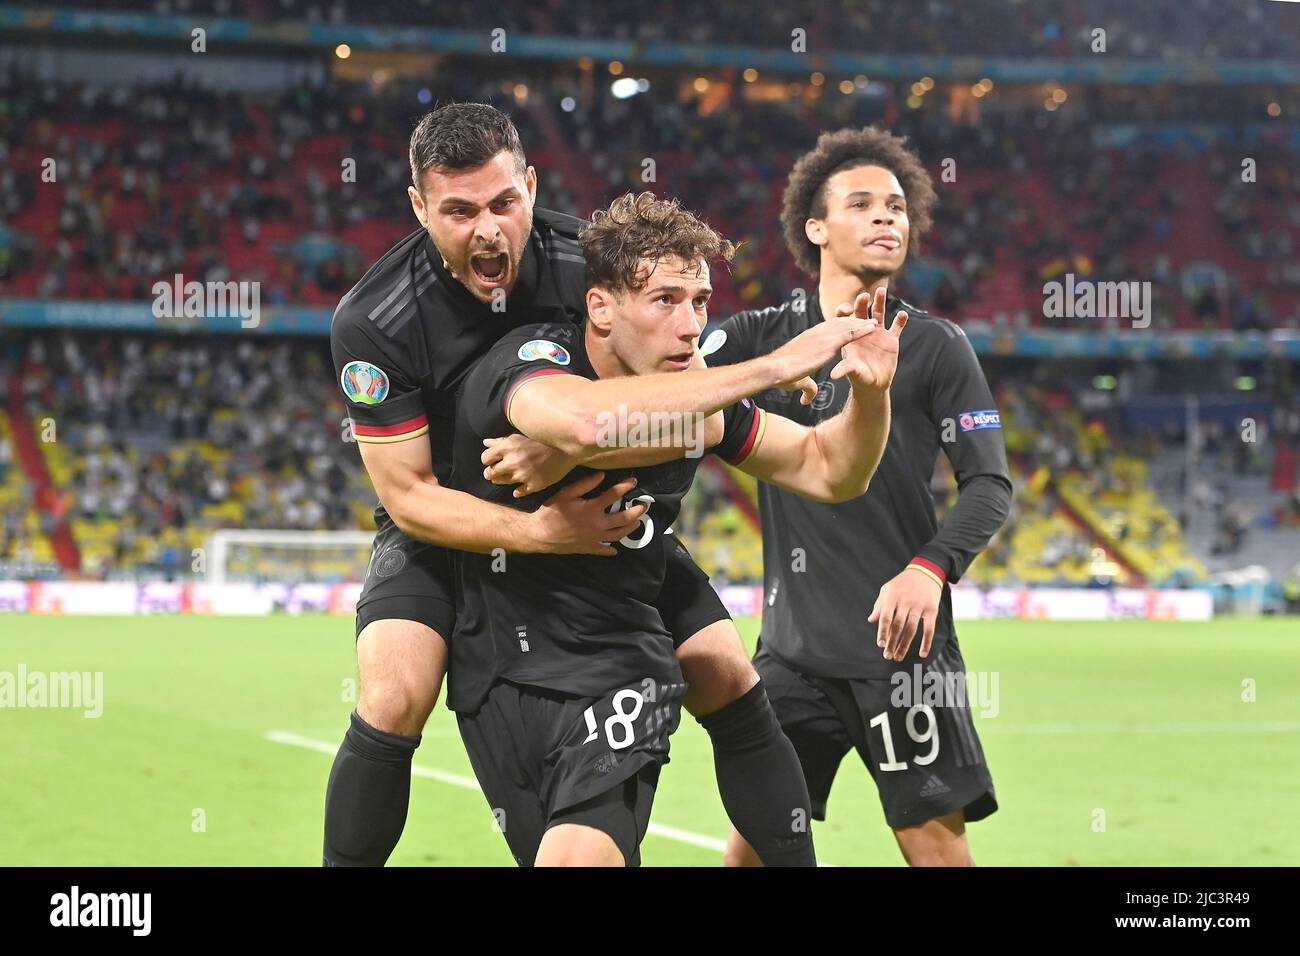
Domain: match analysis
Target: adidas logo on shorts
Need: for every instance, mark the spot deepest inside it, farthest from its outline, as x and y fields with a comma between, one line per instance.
x=606, y=763
x=934, y=786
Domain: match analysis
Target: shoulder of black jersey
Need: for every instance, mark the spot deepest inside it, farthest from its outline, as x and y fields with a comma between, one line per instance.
x=559, y=232
x=924, y=319
x=559, y=221
x=561, y=252
x=566, y=334
x=757, y=326
x=385, y=296
x=543, y=348
x=536, y=341
x=766, y=318
x=771, y=313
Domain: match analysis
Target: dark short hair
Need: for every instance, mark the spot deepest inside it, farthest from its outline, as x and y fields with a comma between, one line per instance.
x=637, y=227
x=805, y=193
x=462, y=136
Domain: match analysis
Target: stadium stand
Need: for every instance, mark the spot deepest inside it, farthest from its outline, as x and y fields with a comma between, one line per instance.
x=139, y=202
x=159, y=439
x=1025, y=28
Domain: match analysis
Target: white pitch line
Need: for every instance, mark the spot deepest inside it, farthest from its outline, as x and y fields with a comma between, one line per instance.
x=990, y=726
x=686, y=836
x=469, y=783
x=320, y=746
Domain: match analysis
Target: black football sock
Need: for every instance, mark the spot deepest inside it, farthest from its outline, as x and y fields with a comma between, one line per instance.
x=367, y=796
x=761, y=780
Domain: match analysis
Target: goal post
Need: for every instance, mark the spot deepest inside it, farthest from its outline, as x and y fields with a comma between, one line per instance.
x=292, y=556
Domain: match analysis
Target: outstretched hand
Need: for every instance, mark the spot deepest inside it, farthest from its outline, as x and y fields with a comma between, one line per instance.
x=870, y=360
x=812, y=348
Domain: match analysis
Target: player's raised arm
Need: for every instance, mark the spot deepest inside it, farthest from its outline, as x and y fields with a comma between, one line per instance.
x=834, y=461
x=380, y=381
x=569, y=413
x=532, y=466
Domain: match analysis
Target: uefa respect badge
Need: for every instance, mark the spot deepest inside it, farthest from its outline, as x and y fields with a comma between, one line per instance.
x=985, y=418
x=364, y=383
x=539, y=349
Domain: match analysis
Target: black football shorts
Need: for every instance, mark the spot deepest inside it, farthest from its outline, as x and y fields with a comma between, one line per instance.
x=545, y=758
x=687, y=602
x=408, y=580
x=922, y=750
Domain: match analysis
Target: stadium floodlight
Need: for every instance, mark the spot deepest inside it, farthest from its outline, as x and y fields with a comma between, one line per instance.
x=268, y=555
x=624, y=87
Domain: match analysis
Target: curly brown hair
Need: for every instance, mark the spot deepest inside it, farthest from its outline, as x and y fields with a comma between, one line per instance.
x=643, y=226
x=805, y=193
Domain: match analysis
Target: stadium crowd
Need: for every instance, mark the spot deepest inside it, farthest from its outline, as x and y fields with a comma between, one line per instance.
x=160, y=437
x=156, y=180
x=193, y=434
x=154, y=440
x=1203, y=28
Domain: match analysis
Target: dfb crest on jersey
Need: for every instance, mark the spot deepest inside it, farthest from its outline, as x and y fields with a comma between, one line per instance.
x=390, y=562
x=825, y=395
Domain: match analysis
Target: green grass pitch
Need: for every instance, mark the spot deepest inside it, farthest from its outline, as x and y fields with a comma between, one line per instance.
x=1144, y=721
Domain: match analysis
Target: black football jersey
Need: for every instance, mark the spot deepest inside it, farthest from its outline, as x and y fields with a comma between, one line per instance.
x=406, y=335
x=578, y=624
x=824, y=564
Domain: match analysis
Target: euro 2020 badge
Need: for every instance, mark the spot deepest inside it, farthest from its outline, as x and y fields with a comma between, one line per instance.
x=364, y=383
x=543, y=349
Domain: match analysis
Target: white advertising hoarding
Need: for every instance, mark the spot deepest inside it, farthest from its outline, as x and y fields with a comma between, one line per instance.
x=968, y=603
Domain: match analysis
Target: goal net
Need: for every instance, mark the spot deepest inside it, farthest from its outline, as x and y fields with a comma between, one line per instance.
x=288, y=557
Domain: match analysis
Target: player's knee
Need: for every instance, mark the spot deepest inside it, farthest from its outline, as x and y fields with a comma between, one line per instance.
x=738, y=852
x=397, y=706
x=939, y=858
x=401, y=664
x=715, y=691
x=922, y=849
x=717, y=669
x=569, y=845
